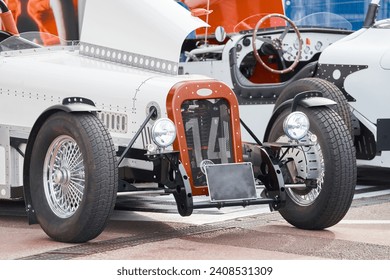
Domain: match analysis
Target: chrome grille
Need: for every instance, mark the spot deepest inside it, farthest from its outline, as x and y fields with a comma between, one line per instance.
x=114, y=122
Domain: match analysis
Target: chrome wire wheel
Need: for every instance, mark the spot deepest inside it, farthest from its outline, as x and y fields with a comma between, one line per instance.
x=309, y=163
x=73, y=176
x=64, y=176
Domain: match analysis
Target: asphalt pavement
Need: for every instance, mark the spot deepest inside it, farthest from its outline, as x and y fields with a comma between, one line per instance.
x=151, y=229
x=147, y=239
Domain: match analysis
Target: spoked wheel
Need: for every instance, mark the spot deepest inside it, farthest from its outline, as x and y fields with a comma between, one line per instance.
x=73, y=177
x=64, y=176
x=329, y=160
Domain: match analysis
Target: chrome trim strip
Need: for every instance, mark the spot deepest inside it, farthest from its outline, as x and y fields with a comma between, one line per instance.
x=129, y=58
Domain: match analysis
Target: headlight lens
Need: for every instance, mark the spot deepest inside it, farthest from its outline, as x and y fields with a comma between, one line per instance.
x=163, y=132
x=296, y=125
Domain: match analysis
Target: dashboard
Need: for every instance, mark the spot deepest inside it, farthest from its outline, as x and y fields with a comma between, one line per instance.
x=314, y=41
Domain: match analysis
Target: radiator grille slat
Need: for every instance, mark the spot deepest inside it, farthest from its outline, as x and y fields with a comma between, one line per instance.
x=208, y=134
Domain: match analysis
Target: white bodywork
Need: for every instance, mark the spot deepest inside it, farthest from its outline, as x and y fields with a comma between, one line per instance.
x=368, y=48
x=139, y=28
x=115, y=69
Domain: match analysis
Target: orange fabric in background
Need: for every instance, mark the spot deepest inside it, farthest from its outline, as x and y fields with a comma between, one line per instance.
x=228, y=13
x=15, y=7
x=41, y=12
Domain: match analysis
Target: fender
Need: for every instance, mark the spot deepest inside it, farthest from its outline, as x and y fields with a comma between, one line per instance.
x=304, y=99
x=69, y=105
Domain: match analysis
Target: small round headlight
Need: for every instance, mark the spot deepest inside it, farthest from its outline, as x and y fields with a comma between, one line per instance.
x=163, y=132
x=296, y=125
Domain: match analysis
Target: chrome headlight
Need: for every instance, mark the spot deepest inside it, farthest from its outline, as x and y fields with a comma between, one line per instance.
x=296, y=125
x=163, y=132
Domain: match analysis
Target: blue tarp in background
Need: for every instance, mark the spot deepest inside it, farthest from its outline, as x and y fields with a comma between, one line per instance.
x=353, y=10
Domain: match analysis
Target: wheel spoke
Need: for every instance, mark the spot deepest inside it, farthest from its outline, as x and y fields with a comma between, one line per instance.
x=76, y=159
x=79, y=167
x=75, y=193
x=78, y=187
x=280, y=54
x=265, y=40
x=281, y=37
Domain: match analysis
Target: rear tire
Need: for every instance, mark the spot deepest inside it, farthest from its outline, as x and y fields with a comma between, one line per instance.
x=73, y=177
x=334, y=156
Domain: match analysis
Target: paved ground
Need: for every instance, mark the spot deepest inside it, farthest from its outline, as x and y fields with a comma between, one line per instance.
x=362, y=234
x=211, y=243
x=231, y=233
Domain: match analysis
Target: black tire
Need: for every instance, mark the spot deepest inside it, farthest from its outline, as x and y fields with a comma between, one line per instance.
x=328, y=90
x=334, y=155
x=73, y=202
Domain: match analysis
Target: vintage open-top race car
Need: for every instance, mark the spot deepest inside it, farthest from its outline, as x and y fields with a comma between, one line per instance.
x=82, y=123
x=268, y=59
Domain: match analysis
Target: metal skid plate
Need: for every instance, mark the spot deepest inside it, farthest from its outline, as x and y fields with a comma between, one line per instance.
x=227, y=182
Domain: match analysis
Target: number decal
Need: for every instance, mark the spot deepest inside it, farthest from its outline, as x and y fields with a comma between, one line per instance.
x=224, y=147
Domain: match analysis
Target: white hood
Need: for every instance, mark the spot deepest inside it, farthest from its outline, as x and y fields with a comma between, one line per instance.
x=149, y=28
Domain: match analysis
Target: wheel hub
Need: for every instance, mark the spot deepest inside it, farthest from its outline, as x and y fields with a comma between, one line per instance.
x=277, y=44
x=62, y=176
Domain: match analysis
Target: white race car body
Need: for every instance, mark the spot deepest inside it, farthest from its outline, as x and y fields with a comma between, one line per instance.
x=359, y=65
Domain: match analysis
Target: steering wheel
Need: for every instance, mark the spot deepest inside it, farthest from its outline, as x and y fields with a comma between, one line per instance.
x=277, y=43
